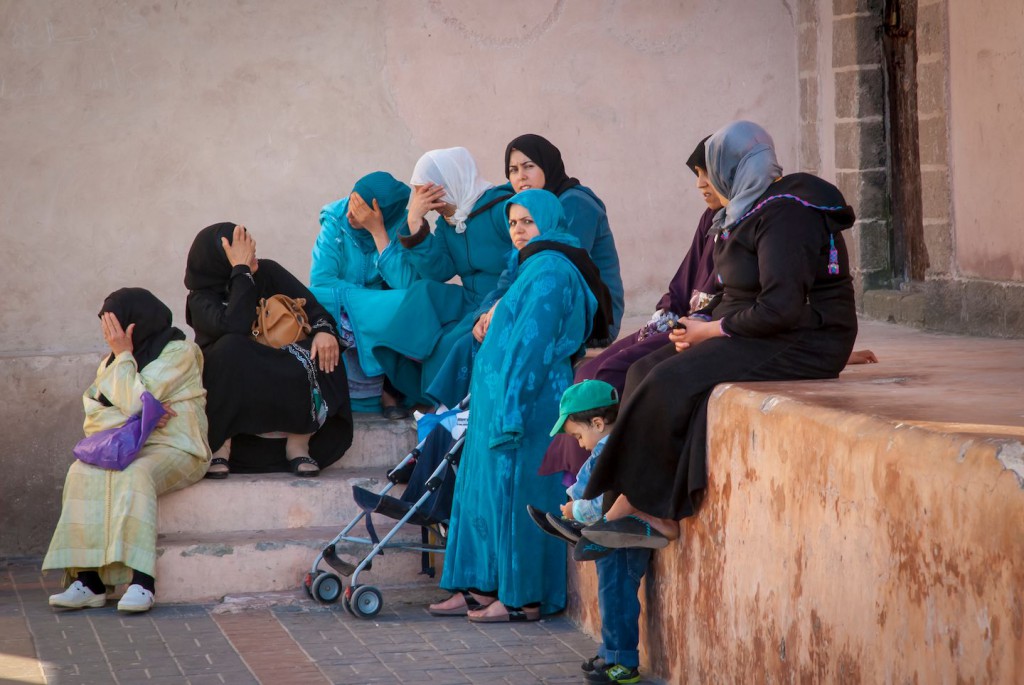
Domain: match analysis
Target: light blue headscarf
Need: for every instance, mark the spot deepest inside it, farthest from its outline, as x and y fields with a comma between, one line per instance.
x=391, y=195
x=545, y=208
x=741, y=165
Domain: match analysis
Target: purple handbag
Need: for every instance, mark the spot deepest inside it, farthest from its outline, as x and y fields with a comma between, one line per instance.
x=116, y=448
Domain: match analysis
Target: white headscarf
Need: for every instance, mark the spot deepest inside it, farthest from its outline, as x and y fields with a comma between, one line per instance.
x=455, y=169
x=741, y=165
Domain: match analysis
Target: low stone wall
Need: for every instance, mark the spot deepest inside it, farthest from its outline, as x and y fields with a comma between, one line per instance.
x=40, y=420
x=836, y=547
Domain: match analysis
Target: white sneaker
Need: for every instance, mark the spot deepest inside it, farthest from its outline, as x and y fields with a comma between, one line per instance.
x=136, y=598
x=78, y=596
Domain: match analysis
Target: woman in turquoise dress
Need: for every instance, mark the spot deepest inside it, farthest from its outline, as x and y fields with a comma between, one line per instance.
x=470, y=240
x=359, y=274
x=497, y=561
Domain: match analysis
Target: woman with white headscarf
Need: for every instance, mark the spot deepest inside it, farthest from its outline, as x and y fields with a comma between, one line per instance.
x=786, y=312
x=470, y=240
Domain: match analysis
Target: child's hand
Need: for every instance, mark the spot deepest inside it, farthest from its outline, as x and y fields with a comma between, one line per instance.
x=567, y=511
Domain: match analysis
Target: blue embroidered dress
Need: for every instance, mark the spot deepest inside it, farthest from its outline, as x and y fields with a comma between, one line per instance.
x=519, y=375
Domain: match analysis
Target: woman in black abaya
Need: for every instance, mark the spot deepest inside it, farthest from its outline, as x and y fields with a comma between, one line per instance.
x=269, y=409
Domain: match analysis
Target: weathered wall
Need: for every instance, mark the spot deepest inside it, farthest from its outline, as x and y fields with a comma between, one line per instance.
x=834, y=547
x=969, y=89
x=127, y=126
x=986, y=96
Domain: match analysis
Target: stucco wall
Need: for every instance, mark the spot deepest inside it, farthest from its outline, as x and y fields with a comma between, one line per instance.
x=986, y=101
x=837, y=547
x=126, y=127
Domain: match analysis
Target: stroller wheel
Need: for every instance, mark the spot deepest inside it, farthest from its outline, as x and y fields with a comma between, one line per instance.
x=366, y=601
x=327, y=588
x=307, y=582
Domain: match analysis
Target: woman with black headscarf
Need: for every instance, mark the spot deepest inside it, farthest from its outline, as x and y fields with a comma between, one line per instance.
x=107, y=530
x=531, y=161
x=270, y=409
x=786, y=312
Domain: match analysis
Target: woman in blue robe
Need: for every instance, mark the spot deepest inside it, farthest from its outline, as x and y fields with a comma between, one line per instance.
x=470, y=240
x=496, y=558
x=359, y=274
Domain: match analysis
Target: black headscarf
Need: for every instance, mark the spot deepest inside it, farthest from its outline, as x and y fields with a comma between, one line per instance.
x=545, y=155
x=208, y=267
x=698, y=158
x=152, y=319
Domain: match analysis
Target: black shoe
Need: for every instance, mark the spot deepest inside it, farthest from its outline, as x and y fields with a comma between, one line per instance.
x=568, y=528
x=541, y=519
x=630, y=531
x=594, y=663
x=585, y=550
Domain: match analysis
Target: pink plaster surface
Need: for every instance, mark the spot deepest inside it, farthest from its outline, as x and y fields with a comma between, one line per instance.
x=863, y=530
x=986, y=62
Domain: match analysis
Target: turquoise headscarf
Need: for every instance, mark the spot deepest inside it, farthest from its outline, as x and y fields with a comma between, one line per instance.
x=544, y=207
x=741, y=165
x=392, y=197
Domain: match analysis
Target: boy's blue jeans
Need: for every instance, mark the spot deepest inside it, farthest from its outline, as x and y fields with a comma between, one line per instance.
x=618, y=582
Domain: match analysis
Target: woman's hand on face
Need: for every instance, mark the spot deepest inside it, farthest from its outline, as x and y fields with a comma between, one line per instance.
x=696, y=331
x=119, y=340
x=241, y=249
x=325, y=348
x=425, y=198
x=369, y=218
x=167, y=415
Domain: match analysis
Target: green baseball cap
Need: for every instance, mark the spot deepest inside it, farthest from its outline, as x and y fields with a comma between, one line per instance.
x=584, y=396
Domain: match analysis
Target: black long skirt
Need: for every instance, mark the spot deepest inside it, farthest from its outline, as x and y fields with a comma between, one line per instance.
x=254, y=389
x=656, y=454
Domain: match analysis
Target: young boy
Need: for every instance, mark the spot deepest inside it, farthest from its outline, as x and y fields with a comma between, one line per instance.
x=586, y=412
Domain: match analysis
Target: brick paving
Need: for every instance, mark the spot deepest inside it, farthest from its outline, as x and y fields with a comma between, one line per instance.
x=296, y=641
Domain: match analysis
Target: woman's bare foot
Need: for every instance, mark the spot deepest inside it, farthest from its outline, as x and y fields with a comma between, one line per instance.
x=297, y=446
x=457, y=604
x=666, y=527
x=219, y=467
x=497, y=612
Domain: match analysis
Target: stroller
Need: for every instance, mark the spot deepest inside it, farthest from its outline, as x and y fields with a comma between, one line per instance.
x=426, y=503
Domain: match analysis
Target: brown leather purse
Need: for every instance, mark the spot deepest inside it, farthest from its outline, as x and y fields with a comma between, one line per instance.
x=280, y=320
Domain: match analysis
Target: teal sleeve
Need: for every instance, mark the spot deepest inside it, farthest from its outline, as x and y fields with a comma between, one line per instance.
x=431, y=258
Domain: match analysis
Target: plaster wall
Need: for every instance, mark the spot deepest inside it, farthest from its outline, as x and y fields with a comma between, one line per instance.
x=986, y=134
x=127, y=126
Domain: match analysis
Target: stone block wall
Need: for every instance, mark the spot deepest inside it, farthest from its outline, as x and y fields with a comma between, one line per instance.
x=861, y=162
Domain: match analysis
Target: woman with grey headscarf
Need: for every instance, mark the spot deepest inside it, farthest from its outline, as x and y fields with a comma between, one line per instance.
x=785, y=312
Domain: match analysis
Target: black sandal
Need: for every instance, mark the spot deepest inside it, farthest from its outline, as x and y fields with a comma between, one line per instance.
x=298, y=461
x=217, y=475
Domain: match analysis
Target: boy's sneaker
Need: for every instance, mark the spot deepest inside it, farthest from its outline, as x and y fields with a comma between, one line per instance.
x=78, y=596
x=614, y=674
x=569, y=528
x=594, y=663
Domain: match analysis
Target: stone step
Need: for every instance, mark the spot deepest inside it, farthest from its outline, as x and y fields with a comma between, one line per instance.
x=206, y=567
x=267, y=501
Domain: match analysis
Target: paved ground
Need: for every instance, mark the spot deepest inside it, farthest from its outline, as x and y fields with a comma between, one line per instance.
x=288, y=640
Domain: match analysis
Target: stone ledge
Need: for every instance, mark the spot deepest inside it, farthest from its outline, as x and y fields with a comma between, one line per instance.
x=984, y=308
x=859, y=530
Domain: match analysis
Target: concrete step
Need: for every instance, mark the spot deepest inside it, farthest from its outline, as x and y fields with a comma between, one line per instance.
x=267, y=501
x=254, y=533
x=206, y=567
